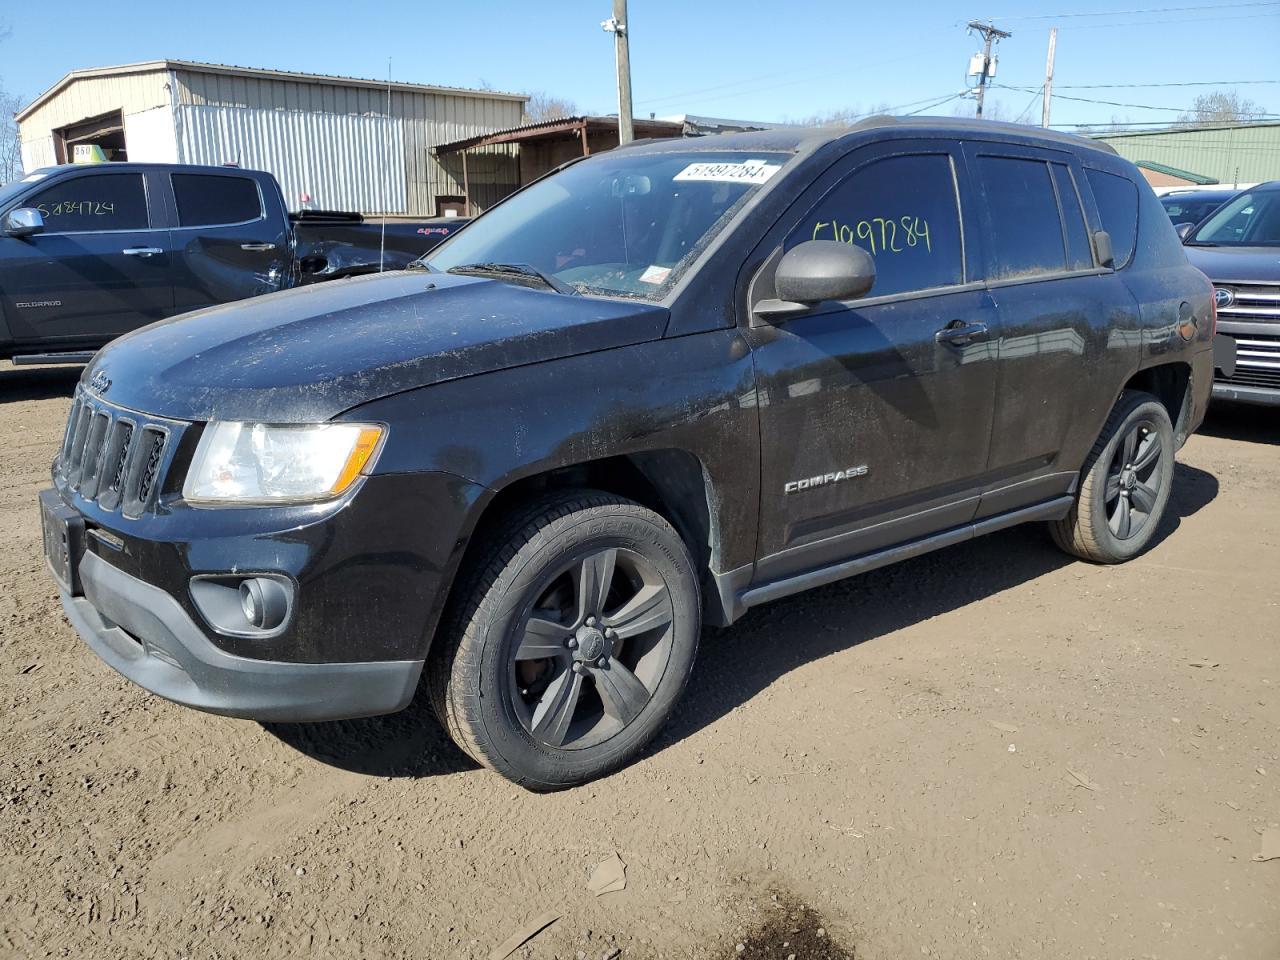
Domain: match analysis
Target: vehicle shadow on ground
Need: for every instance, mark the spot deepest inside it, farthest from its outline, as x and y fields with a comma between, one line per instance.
x=737, y=663
x=37, y=383
x=1242, y=421
x=410, y=743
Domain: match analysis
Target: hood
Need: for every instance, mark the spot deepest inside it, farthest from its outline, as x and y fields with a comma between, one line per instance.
x=1237, y=264
x=311, y=353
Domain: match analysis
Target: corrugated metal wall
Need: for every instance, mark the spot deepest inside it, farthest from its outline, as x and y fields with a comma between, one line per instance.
x=428, y=118
x=340, y=161
x=93, y=96
x=1229, y=154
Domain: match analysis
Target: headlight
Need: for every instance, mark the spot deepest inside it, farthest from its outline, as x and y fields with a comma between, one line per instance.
x=286, y=463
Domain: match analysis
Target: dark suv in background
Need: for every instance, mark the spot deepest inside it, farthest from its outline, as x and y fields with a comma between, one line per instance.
x=1238, y=248
x=663, y=386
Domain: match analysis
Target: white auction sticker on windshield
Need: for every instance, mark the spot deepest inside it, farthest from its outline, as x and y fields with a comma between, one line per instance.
x=748, y=171
x=655, y=274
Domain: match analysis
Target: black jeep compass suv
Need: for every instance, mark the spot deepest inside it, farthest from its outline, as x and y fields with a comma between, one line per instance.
x=662, y=386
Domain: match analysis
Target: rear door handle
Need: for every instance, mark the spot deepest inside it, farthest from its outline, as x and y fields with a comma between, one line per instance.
x=257, y=247
x=960, y=332
x=141, y=251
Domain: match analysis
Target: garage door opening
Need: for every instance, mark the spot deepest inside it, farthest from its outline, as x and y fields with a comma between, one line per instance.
x=105, y=131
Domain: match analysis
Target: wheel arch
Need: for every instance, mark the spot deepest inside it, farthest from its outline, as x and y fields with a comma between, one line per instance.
x=1170, y=383
x=673, y=483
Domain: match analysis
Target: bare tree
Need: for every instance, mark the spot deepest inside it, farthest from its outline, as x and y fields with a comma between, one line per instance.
x=1219, y=109
x=10, y=145
x=844, y=117
x=543, y=106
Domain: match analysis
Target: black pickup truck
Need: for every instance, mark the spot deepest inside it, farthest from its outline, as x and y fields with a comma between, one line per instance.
x=88, y=252
x=656, y=389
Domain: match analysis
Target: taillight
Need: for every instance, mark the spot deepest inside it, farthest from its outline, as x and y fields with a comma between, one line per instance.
x=1213, y=305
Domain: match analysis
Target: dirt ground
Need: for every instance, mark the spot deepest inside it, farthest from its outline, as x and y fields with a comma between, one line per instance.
x=989, y=751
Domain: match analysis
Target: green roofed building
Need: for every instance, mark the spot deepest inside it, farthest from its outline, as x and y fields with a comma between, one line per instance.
x=1243, y=153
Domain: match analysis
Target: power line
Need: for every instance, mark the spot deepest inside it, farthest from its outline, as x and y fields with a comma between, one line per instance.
x=1167, y=22
x=1135, y=86
x=1126, y=13
x=1109, y=103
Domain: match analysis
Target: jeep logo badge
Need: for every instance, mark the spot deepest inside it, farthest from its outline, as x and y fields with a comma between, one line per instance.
x=100, y=383
x=1222, y=297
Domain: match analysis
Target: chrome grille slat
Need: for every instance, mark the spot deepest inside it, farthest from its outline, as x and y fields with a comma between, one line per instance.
x=1255, y=302
x=113, y=457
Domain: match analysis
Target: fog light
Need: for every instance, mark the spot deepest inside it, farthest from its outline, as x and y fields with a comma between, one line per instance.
x=264, y=602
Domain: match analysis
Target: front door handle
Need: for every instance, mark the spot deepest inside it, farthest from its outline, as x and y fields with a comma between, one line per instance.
x=141, y=251
x=960, y=332
x=257, y=247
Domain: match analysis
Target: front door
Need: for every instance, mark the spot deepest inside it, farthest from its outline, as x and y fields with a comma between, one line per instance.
x=876, y=414
x=98, y=270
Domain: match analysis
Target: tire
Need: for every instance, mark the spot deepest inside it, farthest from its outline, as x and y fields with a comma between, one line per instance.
x=570, y=641
x=1124, y=486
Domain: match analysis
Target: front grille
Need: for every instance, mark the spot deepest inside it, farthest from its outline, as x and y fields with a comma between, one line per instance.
x=114, y=457
x=1253, y=303
x=1257, y=360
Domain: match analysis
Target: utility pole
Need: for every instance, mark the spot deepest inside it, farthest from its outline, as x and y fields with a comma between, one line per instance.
x=620, y=28
x=990, y=35
x=1048, y=77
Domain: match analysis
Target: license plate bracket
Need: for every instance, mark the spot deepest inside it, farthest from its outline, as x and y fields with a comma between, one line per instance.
x=63, y=531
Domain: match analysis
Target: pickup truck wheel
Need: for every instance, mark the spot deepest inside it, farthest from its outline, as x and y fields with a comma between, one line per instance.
x=1124, y=486
x=572, y=642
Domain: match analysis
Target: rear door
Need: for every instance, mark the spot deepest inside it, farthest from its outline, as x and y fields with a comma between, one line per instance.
x=230, y=238
x=875, y=414
x=100, y=267
x=1058, y=313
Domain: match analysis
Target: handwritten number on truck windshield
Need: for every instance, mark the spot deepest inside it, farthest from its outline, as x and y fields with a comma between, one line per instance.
x=879, y=234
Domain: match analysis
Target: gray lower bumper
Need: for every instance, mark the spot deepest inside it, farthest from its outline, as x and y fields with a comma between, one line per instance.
x=1266, y=396
x=145, y=634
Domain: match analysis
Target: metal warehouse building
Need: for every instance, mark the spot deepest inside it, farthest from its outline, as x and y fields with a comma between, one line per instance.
x=1244, y=153
x=335, y=143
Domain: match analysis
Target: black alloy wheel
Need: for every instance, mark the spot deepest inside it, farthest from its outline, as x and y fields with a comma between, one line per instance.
x=592, y=649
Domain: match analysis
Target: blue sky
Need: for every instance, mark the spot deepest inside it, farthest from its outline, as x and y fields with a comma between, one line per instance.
x=779, y=61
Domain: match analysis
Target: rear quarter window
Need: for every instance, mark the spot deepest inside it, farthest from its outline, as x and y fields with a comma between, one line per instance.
x=209, y=200
x=1117, y=200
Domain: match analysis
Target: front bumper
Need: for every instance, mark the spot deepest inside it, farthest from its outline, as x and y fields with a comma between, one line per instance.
x=1263, y=396
x=142, y=632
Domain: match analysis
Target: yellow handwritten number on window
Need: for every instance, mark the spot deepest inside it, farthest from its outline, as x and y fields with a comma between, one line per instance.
x=879, y=234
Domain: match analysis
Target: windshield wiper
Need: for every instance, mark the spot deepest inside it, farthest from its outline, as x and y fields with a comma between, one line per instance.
x=514, y=270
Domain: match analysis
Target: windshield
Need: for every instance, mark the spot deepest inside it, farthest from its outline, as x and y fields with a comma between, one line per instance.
x=623, y=224
x=1193, y=209
x=1250, y=220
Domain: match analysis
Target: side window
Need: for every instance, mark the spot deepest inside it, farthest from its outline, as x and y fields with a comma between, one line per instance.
x=1079, y=251
x=1117, y=199
x=902, y=211
x=1023, y=212
x=104, y=201
x=207, y=200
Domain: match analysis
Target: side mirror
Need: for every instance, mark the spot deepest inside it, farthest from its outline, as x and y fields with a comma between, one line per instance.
x=819, y=270
x=23, y=222
x=1184, y=230
x=1102, y=248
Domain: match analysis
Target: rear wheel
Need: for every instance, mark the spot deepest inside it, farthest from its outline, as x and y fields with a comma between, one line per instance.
x=1124, y=486
x=573, y=642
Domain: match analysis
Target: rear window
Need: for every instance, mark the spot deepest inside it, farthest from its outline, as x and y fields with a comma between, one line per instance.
x=208, y=200
x=1023, y=210
x=1117, y=199
x=104, y=201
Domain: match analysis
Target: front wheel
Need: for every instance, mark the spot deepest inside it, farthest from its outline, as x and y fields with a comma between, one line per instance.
x=573, y=641
x=1124, y=486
